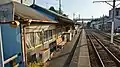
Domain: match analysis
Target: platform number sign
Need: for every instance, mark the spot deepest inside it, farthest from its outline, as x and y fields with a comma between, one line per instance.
x=6, y=12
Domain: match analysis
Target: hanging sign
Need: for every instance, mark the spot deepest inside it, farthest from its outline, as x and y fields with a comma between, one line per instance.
x=6, y=13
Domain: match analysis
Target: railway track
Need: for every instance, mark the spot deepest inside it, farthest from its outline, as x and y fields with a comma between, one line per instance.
x=108, y=36
x=105, y=58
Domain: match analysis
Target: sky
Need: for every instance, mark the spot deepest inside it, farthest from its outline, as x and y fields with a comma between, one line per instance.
x=86, y=8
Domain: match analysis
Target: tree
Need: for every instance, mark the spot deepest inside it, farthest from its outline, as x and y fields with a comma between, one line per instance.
x=88, y=24
x=57, y=11
x=53, y=9
x=65, y=15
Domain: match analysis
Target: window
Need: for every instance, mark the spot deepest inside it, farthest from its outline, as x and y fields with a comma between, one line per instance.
x=38, y=38
x=50, y=34
x=47, y=35
x=33, y=39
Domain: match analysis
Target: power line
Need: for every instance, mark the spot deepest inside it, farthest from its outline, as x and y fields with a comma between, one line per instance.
x=113, y=17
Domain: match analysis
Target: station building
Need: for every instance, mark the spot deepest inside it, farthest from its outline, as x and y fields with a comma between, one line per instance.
x=33, y=33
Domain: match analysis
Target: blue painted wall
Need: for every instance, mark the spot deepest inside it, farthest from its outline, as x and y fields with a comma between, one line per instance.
x=11, y=40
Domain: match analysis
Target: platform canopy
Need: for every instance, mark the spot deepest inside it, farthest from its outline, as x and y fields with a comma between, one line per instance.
x=53, y=15
x=27, y=13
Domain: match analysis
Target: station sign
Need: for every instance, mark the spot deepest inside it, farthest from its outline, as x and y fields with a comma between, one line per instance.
x=6, y=13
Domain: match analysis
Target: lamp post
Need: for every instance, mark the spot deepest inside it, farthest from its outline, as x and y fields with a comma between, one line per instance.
x=113, y=16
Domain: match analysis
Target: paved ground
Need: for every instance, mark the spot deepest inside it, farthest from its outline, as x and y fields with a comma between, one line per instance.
x=80, y=57
x=60, y=58
x=74, y=61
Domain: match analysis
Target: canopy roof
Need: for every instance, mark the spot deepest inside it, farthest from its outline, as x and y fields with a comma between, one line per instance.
x=58, y=17
x=28, y=13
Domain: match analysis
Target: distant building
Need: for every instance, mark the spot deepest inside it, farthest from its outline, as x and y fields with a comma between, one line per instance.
x=105, y=23
x=117, y=12
x=117, y=20
x=99, y=23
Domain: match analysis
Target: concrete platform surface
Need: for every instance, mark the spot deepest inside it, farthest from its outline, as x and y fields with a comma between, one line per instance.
x=84, y=60
x=59, y=59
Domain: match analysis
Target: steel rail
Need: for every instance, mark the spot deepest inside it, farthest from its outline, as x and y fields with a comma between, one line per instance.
x=117, y=61
x=108, y=36
x=97, y=54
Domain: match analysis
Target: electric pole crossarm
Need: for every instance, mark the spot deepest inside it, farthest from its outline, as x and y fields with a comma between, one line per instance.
x=104, y=2
x=117, y=5
x=108, y=3
x=101, y=1
x=113, y=17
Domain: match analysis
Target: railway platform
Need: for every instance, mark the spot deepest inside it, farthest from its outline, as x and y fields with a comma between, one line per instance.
x=80, y=57
x=61, y=57
x=83, y=60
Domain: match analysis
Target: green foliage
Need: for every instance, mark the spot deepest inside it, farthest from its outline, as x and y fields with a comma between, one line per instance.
x=53, y=9
x=117, y=36
x=34, y=62
x=37, y=63
x=88, y=24
x=65, y=15
x=57, y=11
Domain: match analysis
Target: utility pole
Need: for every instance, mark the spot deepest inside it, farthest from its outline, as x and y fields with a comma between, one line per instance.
x=92, y=17
x=113, y=16
x=92, y=25
x=103, y=23
x=79, y=16
x=73, y=16
x=82, y=23
x=33, y=1
x=21, y=1
x=59, y=6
